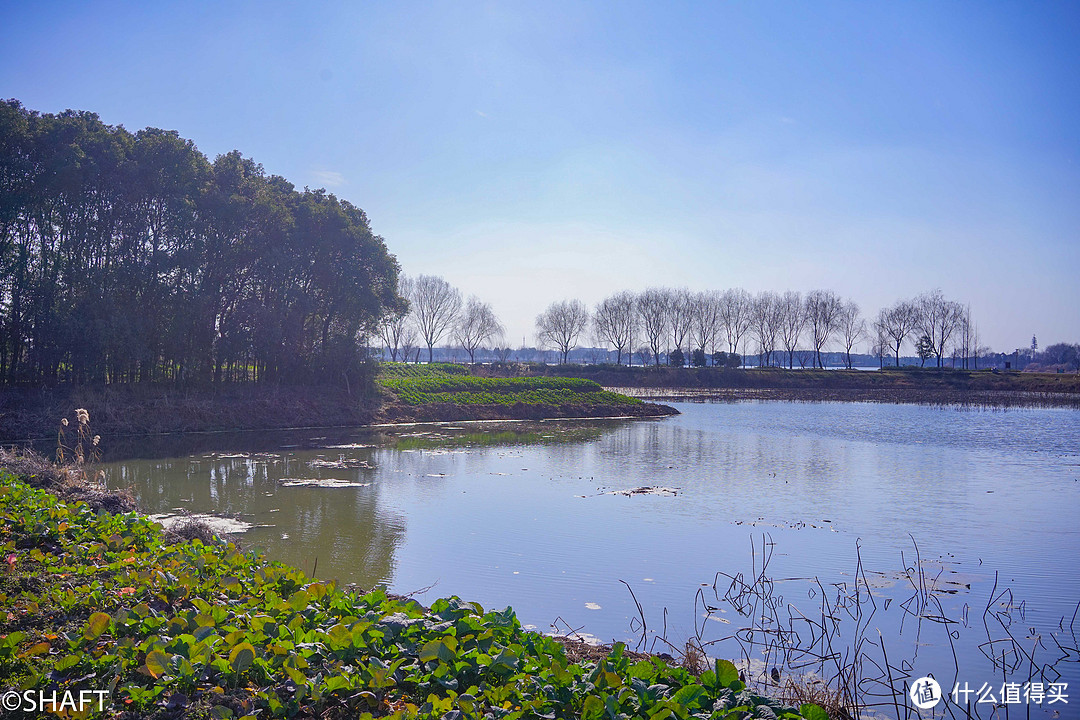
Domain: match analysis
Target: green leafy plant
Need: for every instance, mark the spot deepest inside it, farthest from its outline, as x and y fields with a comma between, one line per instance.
x=100, y=601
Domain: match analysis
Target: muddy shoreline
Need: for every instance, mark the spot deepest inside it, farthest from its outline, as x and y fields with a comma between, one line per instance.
x=27, y=415
x=991, y=399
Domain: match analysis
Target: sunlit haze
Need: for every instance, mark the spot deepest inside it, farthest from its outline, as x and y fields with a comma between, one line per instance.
x=533, y=152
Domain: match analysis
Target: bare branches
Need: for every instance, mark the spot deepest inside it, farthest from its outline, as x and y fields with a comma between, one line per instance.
x=705, y=320
x=396, y=328
x=652, y=310
x=436, y=304
x=476, y=325
x=895, y=323
x=822, y=314
x=937, y=319
x=792, y=321
x=736, y=317
x=614, y=322
x=561, y=324
x=851, y=327
x=765, y=324
x=679, y=316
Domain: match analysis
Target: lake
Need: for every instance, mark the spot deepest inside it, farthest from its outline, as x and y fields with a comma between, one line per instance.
x=810, y=537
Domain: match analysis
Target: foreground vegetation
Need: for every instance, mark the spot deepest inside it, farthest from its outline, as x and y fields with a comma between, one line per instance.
x=191, y=629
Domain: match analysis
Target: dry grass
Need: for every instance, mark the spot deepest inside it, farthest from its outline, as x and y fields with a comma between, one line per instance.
x=694, y=658
x=808, y=689
x=69, y=482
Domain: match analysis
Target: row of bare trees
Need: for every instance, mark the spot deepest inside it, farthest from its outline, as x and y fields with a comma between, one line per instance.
x=780, y=327
x=435, y=311
x=933, y=324
x=670, y=320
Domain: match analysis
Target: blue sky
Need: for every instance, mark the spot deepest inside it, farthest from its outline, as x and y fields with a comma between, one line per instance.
x=531, y=152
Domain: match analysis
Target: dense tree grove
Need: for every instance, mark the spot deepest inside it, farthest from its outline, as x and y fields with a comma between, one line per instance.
x=130, y=257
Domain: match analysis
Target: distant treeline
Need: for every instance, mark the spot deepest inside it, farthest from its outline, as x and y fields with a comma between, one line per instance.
x=130, y=257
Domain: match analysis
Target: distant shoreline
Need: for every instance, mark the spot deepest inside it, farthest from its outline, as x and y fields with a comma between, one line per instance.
x=889, y=385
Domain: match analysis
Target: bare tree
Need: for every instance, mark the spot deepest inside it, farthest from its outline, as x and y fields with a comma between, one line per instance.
x=436, y=304
x=652, y=310
x=937, y=319
x=679, y=317
x=895, y=324
x=822, y=312
x=792, y=319
x=766, y=324
x=964, y=337
x=705, y=320
x=881, y=343
x=476, y=325
x=614, y=322
x=736, y=316
x=394, y=327
x=851, y=327
x=561, y=324
x=503, y=351
x=975, y=347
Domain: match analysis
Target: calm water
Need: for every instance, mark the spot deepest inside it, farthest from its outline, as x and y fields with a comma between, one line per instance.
x=964, y=522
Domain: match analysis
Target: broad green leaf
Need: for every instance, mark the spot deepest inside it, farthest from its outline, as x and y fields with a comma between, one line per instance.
x=593, y=709
x=66, y=662
x=689, y=696
x=813, y=712
x=295, y=675
x=40, y=648
x=241, y=657
x=299, y=600
x=644, y=670
x=156, y=662
x=96, y=625
x=726, y=673
x=442, y=649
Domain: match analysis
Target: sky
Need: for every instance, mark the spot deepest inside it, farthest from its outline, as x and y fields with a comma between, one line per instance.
x=531, y=152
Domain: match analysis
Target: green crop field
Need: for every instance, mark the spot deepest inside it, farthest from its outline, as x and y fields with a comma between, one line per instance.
x=444, y=383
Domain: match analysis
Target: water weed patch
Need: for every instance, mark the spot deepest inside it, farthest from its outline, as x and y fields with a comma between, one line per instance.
x=91, y=601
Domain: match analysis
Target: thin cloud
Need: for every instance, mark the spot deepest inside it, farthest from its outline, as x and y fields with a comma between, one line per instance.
x=328, y=178
x=480, y=113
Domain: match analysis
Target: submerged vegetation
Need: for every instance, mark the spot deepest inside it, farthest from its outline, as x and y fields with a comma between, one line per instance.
x=97, y=601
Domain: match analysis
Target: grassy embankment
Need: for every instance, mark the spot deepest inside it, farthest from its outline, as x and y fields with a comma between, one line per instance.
x=91, y=600
x=908, y=384
x=448, y=392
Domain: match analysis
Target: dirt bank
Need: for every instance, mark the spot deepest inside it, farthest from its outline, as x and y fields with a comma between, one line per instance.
x=518, y=411
x=905, y=385
x=118, y=410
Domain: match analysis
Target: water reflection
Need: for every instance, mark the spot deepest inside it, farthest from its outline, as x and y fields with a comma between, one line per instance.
x=522, y=515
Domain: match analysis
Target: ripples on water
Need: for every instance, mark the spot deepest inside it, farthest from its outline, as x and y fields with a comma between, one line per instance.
x=937, y=505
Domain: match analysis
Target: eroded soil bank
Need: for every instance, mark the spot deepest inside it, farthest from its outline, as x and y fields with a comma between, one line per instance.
x=27, y=414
